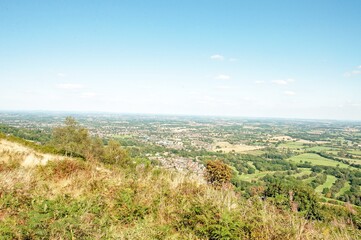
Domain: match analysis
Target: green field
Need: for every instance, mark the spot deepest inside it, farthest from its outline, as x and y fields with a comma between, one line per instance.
x=333, y=151
x=353, y=160
x=255, y=152
x=305, y=171
x=252, y=165
x=315, y=159
x=292, y=145
x=328, y=184
x=355, y=152
x=320, y=149
x=255, y=176
x=345, y=188
x=309, y=180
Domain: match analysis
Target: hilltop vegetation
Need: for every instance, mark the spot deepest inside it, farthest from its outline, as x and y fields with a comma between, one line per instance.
x=108, y=192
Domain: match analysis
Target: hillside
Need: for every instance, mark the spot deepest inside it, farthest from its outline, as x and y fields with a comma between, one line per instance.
x=46, y=196
x=15, y=153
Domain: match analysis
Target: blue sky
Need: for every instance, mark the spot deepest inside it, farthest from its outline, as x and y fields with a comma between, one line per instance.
x=294, y=59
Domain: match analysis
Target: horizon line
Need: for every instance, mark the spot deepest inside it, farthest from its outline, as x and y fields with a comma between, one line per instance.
x=179, y=115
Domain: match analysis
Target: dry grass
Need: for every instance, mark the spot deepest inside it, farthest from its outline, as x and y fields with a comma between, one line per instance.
x=70, y=198
x=281, y=138
x=11, y=152
x=227, y=147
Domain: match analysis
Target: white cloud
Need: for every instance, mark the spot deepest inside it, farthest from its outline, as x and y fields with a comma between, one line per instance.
x=69, y=86
x=217, y=57
x=223, y=77
x=259, y=82
x=280, y=82
x=289, y=93
x=353, y=72
x=356, y=104
x=194, y=93
x=283, y=82
x=61, y=75
x=205, y=99
x=349, y=104
x=88, y=94
x=223, y=87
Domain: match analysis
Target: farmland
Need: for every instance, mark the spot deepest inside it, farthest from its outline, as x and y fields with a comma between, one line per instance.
x=315, y=159
x=328, y=184
x=322, y=154
x=227, y=147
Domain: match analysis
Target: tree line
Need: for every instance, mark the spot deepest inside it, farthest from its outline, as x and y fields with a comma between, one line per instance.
x=73, y=140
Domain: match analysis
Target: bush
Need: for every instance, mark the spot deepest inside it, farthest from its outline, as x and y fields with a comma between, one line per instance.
x=62, y=168
x=218, y=173
x=115, y=154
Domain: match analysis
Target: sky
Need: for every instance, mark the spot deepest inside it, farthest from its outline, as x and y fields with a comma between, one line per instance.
x=281, y=58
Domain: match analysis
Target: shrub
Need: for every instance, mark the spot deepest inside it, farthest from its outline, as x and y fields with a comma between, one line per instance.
x=218, y=173
x=115, y=154
x=62, y=168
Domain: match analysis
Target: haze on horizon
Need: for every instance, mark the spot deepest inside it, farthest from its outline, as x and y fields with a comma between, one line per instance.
x=287, y=59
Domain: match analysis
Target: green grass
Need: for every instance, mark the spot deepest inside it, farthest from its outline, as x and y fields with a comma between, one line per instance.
x=305, y=171
x=352, y=160
x=292, y=145
x=345, y=188
x=333, y=151
x=329, y=182
x=309, y=180
x=255, y=176
x=320, y=149
x=76, y=199
x=255, y=152
x=355, y=152
x=315, y=159
x=252, y=165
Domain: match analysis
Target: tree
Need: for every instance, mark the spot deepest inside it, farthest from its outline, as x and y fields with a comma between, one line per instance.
x=302, y=199
x=251, y=170
x=218, y=173
x=95, y=150
x=71, y=138
x=325, y=191
x=115, y=154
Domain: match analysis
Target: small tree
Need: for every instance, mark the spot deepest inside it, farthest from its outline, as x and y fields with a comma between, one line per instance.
x=325, y=191
x=218, y=173
x=115, y=154
x=95, y=149
x=71, y=138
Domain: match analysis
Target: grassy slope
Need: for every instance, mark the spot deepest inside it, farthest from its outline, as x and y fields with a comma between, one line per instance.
x=328, y=184
x=70, y=198
x=255, y=176
x=292, y=145
x=355, y=152
x=254, y=152
x=320, y=148
x=305, y=171
x=252, y=165
x=345, y=188
x=315, y=159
